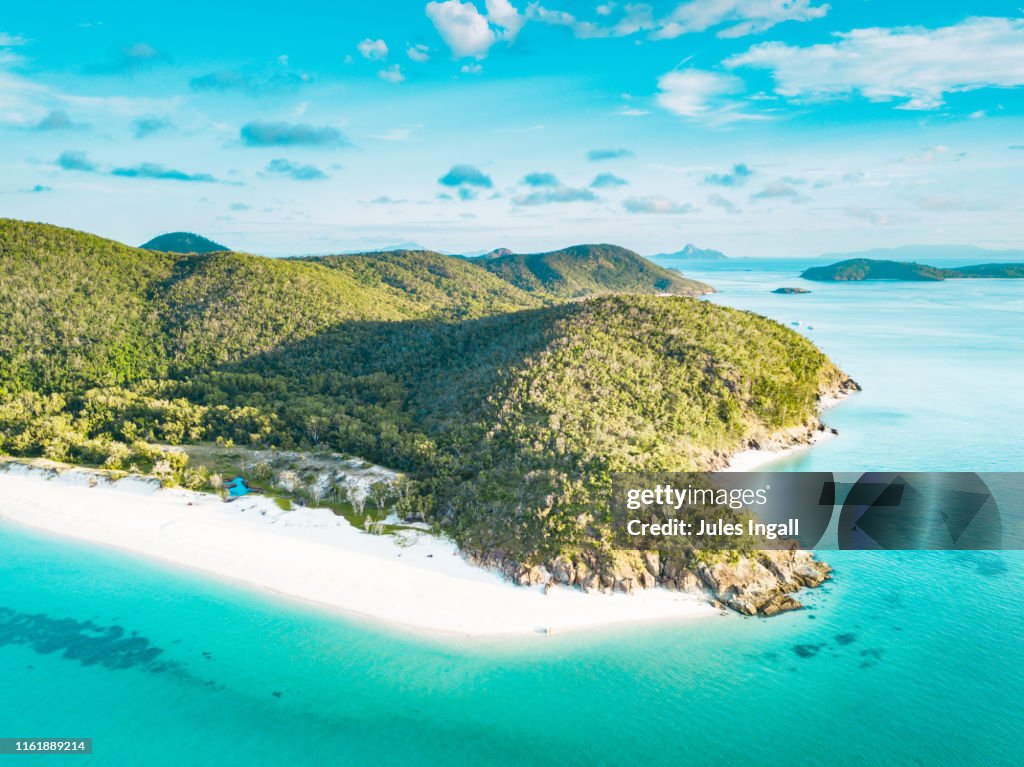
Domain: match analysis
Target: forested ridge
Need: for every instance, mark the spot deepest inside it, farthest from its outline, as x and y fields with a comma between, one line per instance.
x=585, y=270
x=859, y=269
x=508, y=408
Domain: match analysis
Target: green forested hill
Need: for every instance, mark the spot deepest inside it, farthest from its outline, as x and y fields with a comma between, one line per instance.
x=988, y=271
x=421, y=278
x=83, y=311
x=858, y=269
x=75, y=310
x=183, y=242
x=589, y=269
x=509, y=410
x=514, y=423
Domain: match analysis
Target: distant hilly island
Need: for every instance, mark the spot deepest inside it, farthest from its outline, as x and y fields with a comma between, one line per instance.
x=691, y=252
x=861, y=269
x=926, y=253
x=184, y=242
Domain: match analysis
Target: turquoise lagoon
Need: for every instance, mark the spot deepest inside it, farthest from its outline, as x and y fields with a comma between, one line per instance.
x=905, y=658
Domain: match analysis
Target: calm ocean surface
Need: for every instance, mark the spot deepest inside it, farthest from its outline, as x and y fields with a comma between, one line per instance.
x=906, y=658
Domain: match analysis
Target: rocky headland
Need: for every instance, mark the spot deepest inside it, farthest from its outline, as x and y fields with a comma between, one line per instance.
x=760, y=583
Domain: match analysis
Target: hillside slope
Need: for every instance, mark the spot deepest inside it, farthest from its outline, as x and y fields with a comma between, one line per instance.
x=585, y=270
x=81, y=311
x=432, y=279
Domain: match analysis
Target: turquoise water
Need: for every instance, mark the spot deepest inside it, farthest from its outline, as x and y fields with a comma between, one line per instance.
x=942, y=365
x=906, y=658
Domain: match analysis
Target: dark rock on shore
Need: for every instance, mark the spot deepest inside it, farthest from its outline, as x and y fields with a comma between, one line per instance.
x=762, y=584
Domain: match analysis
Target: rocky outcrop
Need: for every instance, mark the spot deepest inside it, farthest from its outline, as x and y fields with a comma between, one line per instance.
x=762, y=584
x=830, y=393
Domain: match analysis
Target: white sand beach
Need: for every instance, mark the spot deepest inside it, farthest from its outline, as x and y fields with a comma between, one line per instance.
x=755, y=460
x=418, y=580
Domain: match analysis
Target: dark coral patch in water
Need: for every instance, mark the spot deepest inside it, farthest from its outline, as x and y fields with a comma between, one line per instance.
x=86, y=642
x=806, y=650
x=847, y=638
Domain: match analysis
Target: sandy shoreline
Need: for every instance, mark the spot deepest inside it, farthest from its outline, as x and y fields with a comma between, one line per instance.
x=420, y=581
x=755, y=460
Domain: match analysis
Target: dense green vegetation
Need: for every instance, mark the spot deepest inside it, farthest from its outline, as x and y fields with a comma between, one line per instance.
x=589, y=269
x=868, y=269
x=1001, y=271
x=509, y=412
x=428, y=283
x=857, y=269
x=183, y=242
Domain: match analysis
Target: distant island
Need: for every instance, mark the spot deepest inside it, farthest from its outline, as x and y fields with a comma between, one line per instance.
x=791, y=291
x=693, y=253
x=931, y=253
x=861, y=269
x=184, y=242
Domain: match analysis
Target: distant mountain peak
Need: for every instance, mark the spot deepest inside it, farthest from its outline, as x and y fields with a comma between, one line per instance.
x=183, y=242
x=691, y=251
x=497, y=253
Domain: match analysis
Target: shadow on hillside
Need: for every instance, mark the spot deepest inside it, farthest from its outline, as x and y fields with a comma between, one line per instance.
x=378, y=387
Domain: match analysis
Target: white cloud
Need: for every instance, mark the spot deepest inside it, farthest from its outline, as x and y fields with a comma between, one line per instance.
x=779, y=190
x=744, y=17
x=503, y=14
x=471, y=69
x=914, y=65
x=392, y=74
x=394, y=134
x=876, y=217
x=467, y=32
x=655, y=204
x=721, y=202
x=418, y=53
x=697, y=93
x=9, y=41
x=462, y=27
x=374, y=50
x=558, y=193
x=748, y=17
x=24, y=101
x=636, y=18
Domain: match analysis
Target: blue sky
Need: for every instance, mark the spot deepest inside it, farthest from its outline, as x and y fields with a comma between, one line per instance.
x=759, y=127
